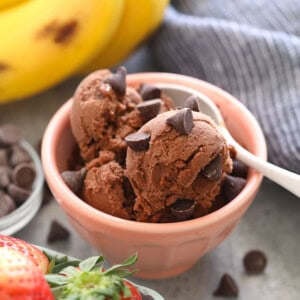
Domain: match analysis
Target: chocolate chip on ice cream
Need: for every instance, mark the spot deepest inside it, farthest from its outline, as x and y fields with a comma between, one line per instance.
x=149, y=109
x=118, y=81
x=149, y=91
x=138, y=141
x=193, y=102
x=182, y=120
x=232, y=186
x=183, y=209
x=213, y=170
x=74, y=180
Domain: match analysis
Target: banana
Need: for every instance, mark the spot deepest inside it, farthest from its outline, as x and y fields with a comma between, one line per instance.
x=43, y=41
x=140, y=18
x=7, y=3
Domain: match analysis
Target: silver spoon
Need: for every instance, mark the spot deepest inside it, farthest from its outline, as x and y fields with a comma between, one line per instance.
x=286, y=179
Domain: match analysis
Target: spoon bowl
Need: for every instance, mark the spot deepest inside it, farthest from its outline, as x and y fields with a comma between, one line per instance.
x=284, y=178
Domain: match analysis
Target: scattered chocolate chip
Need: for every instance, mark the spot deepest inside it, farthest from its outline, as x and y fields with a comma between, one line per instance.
x=149, y=92
x=3, y=157
x=5, y=173
x=193, y=102
x=149, y=109
x=118, y=81
x=18, y=194
x=232, y=186
x=255, y=262
x=23, y=175
x=213, y=170
x=227, y=287
x=183, y=209
x=239, y=169
x=7, y=204
x=74, y=180
x=19, y=155
x=9, y=134
x=138, y=141
x=182, y=121
x=57, y=232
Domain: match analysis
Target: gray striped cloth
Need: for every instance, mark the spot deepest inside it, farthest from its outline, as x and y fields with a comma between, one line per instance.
x=250, y=48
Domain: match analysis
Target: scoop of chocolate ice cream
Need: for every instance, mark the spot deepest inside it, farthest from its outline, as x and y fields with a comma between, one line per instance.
x=101, y=116
x=184, y=158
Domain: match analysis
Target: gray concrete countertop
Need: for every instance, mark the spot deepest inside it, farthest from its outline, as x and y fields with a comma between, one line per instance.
x=271, y=224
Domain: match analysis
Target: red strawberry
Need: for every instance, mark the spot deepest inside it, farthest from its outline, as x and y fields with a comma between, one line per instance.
x=20, y=278
x=28, y=250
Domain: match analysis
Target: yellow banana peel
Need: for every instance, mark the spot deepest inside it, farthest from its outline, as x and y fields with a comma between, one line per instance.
x=139, y=19
x=44, y=42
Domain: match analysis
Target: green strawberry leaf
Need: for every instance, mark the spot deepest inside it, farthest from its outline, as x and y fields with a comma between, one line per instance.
x=128, y=262
x=56, y=280
x=59, y=267
x=70, y=271
x=88, y=264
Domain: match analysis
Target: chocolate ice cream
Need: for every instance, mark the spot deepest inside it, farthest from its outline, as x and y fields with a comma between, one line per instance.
x=179, y=157
x=105, y=110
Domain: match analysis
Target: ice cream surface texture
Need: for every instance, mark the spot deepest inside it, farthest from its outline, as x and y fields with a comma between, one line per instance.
x=177, y=166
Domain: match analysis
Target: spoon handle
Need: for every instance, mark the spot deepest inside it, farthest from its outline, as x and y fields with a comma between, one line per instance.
x=286, y=179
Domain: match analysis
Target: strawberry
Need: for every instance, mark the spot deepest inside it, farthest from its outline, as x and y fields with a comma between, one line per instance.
x=20, y=278
x=89, y=280
x=28, y=250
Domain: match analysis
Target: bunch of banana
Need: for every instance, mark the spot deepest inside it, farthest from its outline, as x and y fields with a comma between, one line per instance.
x=43, y=42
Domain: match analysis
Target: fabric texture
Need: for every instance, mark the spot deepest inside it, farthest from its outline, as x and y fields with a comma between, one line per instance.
x=250, y=48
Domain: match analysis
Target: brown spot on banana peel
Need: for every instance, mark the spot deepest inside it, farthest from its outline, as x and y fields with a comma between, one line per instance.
x=4, y=67
x=65, y=32
x=60, y=33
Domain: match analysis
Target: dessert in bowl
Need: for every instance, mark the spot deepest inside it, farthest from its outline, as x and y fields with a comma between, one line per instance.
x=165, y=248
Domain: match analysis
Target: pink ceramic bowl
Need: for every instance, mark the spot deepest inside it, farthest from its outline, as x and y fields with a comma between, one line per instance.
x=164, y=250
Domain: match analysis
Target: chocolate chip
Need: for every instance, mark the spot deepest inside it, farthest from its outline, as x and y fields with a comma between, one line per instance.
x=7, y=204
x=118, y=81
x=3, y=157
x=213, y=170
x=193, y=102
x=227, y=287
x=182, y=121
x=19, y=155
x=183, y=209
x=149, y=91
x=149, y=109
x=9, y=134
x=57, y=232
x=255, y=262
x=138, y=141
x=74, y=180
x=239, y=169
x=5, y=173
x=23, y=175
x=232, y=186
x=18, y=194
